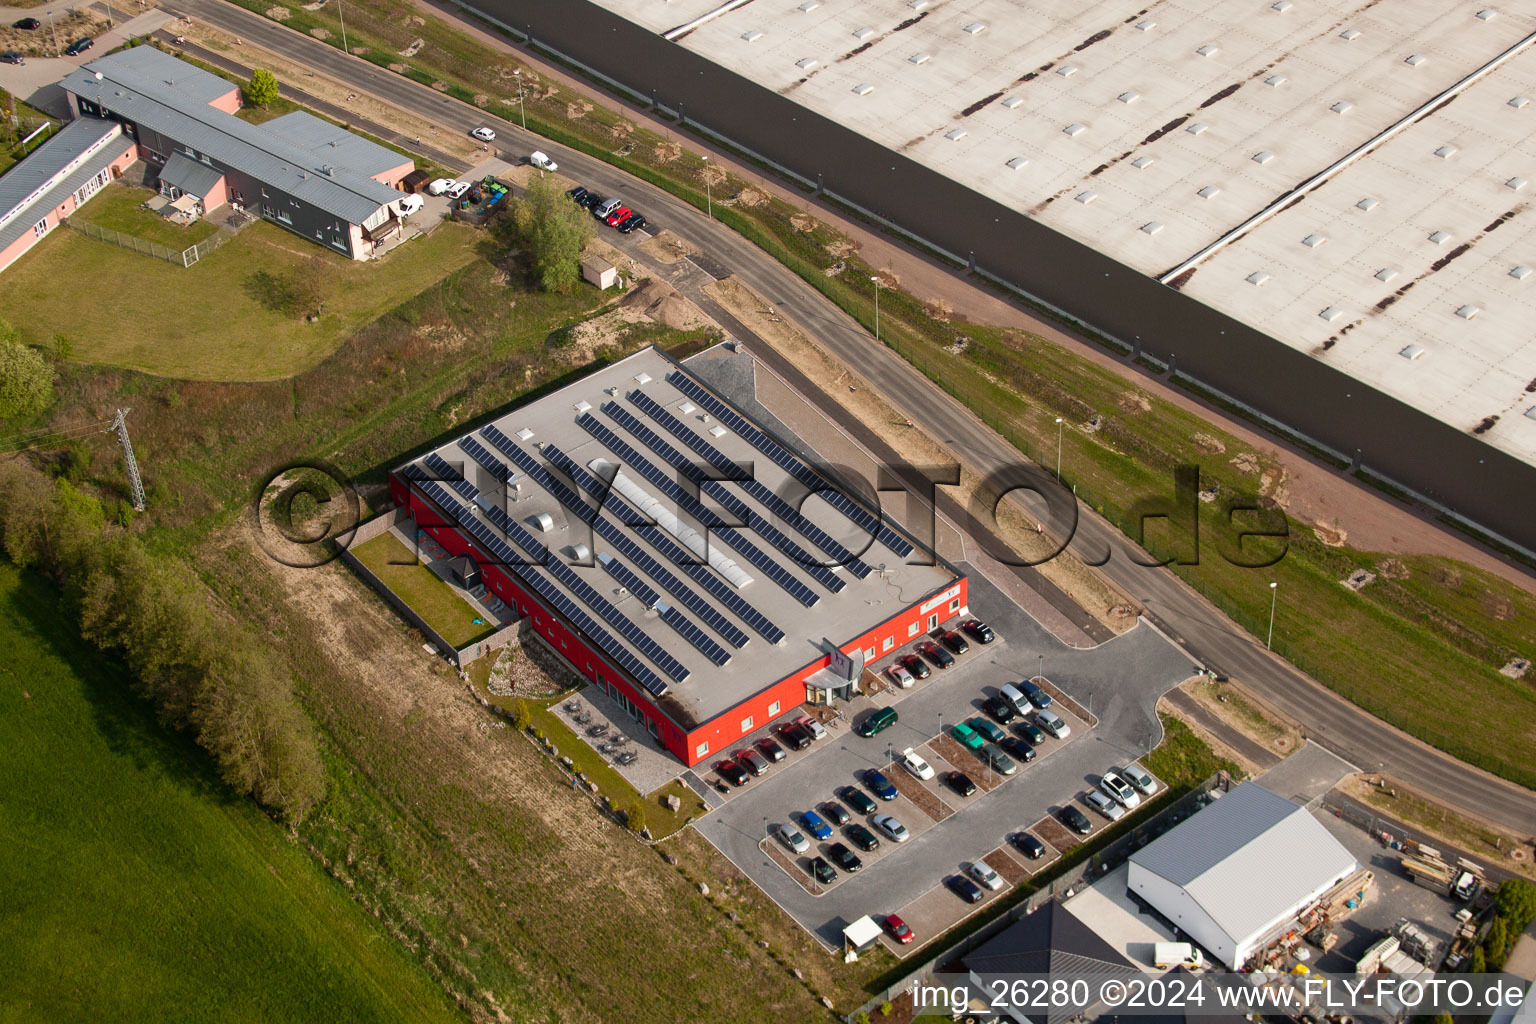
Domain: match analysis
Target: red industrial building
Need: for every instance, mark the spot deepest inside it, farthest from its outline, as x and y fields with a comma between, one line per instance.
x=708, y=606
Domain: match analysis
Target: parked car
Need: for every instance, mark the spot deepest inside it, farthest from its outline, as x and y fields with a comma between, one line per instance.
x=855, y=797
x=1031, y=732
x=862, y=837
x=771, y=750
x=458, y=189
x=913, y=762
x=917, y=666
x=607, y=206
x=876, y=722
x=961, y=783
x=979, y=631
x=732, y=772
x=752, y=761
x=1053, y=723
x=1029, y=846
x=630, y=223
x=542, y=162
x=28, y=24
x=1137, y=776
x=592, y=200
x=1075, y=820
x=791, y=837
x=984, y=875
x=618, y=214
x=440, y=186
x=986, y=729
x=1000, y=708
x=822, y=871
x=1101, y=802
x=12, y=57
x=845, y=859
x=899, y=676
x=1119, y=790
x=835, y=812
x=964, y=888
x=966, y=735
x=954, y=641
x=895, y=830
x=79, y=46
x=810, y=725
x=484, y=134
x=1019, y=749
x=577, y=194
x=898, y=929
x=796, y=737
x=998, y=761
x=410, y=205
x=812, y=823
x=936, y=654
x=879, y=785
x=1037, y=697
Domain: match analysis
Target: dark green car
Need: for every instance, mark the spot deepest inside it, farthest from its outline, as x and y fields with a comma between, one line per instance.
x=986, y=728
x=862, y=837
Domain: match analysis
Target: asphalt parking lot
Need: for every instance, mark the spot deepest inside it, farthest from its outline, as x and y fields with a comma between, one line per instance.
x=1121, y=679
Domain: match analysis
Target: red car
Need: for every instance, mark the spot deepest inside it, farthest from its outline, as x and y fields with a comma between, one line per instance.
x=619, y=216
x=899, y=930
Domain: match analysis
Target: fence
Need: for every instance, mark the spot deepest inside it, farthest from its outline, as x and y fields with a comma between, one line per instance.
x=185, y=257
x=1077, y=874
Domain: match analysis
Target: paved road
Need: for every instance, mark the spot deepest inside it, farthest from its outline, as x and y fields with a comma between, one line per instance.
x=1203, y=630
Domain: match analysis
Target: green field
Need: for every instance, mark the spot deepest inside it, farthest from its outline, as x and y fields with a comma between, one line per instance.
x=435, y=601
x=210, y=321
x=133, y=887
x=120, y=207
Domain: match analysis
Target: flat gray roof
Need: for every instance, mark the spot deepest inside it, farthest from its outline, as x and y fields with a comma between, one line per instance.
x=189, y=175
x=166, y=95
x=1149, y=131
x=24, y=193
x=893, y=583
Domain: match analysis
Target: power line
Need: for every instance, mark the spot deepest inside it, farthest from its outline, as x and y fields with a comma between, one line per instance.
x=23, y=442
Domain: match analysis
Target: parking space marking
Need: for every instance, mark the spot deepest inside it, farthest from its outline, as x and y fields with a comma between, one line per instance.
x=1012, y=871
x=799, y=872
x=1031, y=867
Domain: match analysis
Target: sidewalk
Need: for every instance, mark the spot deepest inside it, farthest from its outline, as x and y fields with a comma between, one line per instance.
x=1317, y=493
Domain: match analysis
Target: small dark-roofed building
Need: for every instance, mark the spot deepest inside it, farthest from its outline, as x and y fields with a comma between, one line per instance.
x=1050, y=941
x=56, y=179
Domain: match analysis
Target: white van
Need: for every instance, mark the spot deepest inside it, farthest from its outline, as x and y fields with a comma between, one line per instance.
x=1168, y=955
x=542, y=162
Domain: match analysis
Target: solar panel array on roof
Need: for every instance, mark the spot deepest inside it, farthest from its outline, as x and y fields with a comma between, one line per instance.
x=477, y=451
x=451, y=475
x=688, y=503
x=684, y=560
x=671, y=616
x=499, y=549
x=612, y=533
x=755, y=488
x=856, y=513
x=732, y=504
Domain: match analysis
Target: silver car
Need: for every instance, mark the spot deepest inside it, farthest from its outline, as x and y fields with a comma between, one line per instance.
x=1053, y=723
x=984, y=875
x=792, y=838
x=891, y=827
x=1101, y=802
x=1137, y=776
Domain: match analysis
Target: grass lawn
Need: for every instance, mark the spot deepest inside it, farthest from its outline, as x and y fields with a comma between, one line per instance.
x=416, y=585
x=120, y=207
x=208, y=321
x=1183, y=759
x=133, y=886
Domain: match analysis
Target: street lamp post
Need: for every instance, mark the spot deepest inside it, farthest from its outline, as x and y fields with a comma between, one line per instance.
x=342, y=14
x=876, y=280
x=708, y=198
x=522, y=109
x=1274, y=591
x=54, y=32
x=1058, y=449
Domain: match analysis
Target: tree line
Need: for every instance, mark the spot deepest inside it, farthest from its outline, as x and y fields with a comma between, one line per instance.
x=202, y=671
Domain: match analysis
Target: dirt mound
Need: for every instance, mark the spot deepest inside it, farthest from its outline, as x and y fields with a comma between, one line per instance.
x=577, y=111
x=1245, y=462
x=1392, y=569
x=1134, y=402
x=320, y=33
x=279, y=13
x=666, y=152
x=1206, y=443
x=661, y=302
x=414, y=48
x=801, y=222
x=751, y=197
